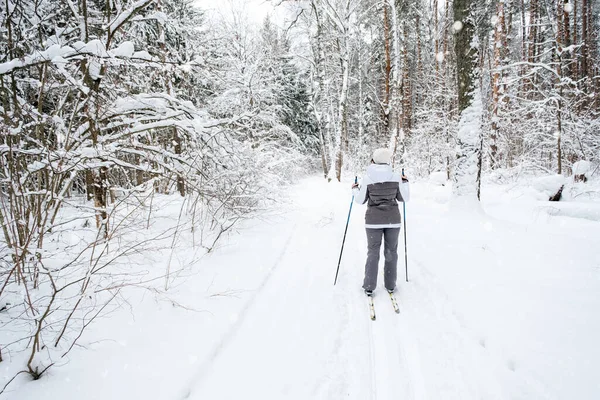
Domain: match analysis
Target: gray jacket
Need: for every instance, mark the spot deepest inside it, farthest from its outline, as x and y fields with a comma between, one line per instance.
x=381, y=189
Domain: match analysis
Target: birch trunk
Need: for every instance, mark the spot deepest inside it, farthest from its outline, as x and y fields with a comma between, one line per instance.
x=342, y=114
x=317, y=95
x=496, y=77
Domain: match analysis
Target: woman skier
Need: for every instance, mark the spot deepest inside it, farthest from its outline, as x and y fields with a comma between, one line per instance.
x=381, y=189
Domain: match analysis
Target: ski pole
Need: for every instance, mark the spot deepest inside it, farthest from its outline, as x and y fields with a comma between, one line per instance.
x=346, y=230
x=405, y=256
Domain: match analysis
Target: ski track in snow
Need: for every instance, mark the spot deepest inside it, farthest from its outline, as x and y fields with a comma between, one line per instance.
x=225, y=339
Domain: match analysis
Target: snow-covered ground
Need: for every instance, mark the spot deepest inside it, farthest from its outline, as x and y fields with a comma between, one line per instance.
x=500, y=305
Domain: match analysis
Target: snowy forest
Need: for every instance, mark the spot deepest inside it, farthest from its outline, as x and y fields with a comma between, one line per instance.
x=115, y=111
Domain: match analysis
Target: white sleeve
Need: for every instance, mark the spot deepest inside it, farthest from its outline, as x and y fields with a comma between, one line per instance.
x=405, y=191
x=360, y=194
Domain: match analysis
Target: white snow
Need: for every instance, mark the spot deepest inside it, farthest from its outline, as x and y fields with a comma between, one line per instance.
x=79, y=46
x=8, y=66
x=124, y=15
x=54, y=52
x=457, y=26
x=125, y=49
x=582, y=167
x=467, y=148
x=161, y=17
x=94, y=68
x=438, y=178
x=96, y=47
x=187, y=68
x=568, y=8
x=501, y=305
x=548, y=185
x=143, y=55
x=59, y=60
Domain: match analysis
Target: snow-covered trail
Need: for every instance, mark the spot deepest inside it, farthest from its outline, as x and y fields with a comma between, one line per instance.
x=301, y=337
x=304, y=338
x=498, y=306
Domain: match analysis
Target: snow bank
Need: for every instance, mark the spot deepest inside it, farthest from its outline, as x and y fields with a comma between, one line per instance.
x=432, y=192
x=548, y=185
x=438, y=178
x=588, y=211
x=492, y=310
x=584, y=168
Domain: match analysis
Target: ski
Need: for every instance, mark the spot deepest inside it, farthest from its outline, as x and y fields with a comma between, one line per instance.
x=371, y=308
x=394, y=303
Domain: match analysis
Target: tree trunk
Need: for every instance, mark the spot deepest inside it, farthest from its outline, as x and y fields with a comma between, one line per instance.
x=533, y=29
x=180, y=179
x=100, y=192
x=420, y=72
x=532, y=52
x=406, y=88
x=560, y=24
x=138, y=174
x=89, y=184
x=168, y=85
x=567, y=26
x=523, y=45
x=466, y=56
x=467, y=174
x=575, y=41
x=436, y=36
x=496, y=77
x=584, y=39
x=343, y=113
x=361, y=111
x=446, y=32
x=592, y=62
x=388, y=70
x=318, y=93
x=558, y=144
x=560, y=35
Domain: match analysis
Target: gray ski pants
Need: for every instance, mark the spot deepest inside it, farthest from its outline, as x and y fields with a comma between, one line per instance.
x=390, y=252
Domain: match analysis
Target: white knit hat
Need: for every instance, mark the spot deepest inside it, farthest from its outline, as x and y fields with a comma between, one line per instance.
x=382, y=156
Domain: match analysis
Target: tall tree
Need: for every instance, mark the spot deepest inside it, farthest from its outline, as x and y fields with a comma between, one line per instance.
x=467, y=174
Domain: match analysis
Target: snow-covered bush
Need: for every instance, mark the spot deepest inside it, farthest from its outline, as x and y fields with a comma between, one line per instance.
x=104, y=109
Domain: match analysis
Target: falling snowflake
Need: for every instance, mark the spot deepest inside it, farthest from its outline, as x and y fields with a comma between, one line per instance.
x=494, y=20
x=457, y=26
x=439, y=57
x=568, y=8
